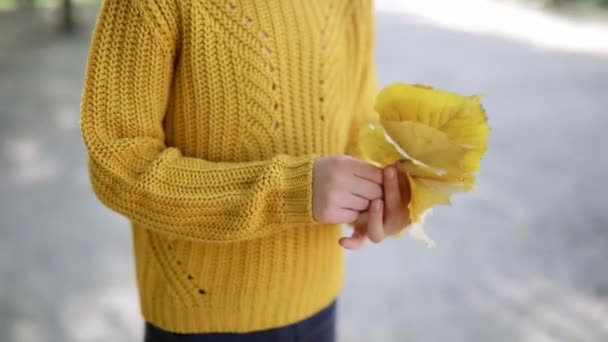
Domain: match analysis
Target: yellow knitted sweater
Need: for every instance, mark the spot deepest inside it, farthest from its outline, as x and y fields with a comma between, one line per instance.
x=202, y=119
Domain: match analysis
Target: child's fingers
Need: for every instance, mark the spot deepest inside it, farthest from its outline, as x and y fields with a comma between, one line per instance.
x=353, y=242
x=367, y=171
x=406, y=197
x=354, y=202
x=393, y=201
x=375, y=224
x=359, y=235
x=365, y=188
x=361, y=223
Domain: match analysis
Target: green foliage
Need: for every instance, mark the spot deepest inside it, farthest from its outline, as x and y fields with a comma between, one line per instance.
x=11, y=4
x=587, y=3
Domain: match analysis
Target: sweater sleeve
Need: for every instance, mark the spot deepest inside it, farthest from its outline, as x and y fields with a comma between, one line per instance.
x=133, y=172
x=367, y=84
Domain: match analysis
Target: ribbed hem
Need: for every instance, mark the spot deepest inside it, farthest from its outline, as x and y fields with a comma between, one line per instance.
x=251, y=286
x=297, y=190
x=224, y=320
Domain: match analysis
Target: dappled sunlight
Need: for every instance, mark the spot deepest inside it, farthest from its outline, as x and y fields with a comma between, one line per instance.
x=29, y=162
x=109, y=313
x=26, y=330
x=538, y=309
x=509, y=20
x=66, y=118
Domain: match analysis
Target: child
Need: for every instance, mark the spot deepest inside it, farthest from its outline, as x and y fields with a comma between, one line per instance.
x=219, y=128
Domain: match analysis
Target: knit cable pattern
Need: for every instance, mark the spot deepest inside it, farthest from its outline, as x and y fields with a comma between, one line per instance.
x=202, y=120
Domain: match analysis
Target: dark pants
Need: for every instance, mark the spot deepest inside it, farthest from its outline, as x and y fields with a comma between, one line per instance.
x=318, y=328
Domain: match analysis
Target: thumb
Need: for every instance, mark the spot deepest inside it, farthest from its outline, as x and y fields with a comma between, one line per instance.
x=359, y=235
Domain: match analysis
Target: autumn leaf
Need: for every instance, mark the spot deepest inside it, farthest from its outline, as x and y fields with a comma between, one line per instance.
x=437, y=137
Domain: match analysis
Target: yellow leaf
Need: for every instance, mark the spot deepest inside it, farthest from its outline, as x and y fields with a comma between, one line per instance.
x=418, y=103
x=374, y=146
x=461, y=118
x=438, y=138
x=424, y=197
x=426, y=144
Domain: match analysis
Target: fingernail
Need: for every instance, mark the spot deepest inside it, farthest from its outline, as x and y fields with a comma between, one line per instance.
x=390, y=172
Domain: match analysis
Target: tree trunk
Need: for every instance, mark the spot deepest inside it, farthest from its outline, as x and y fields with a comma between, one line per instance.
x=68, y=16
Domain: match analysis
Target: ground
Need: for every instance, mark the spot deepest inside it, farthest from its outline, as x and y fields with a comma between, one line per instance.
x=521, y=259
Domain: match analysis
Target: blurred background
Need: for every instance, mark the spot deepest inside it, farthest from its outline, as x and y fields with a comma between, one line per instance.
x=524, y=258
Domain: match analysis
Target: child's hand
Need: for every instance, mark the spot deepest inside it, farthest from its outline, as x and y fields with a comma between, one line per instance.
x=385, y=217
x=343, y=187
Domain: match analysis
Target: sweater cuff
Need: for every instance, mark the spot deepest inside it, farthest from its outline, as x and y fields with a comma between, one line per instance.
x=297, y=190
